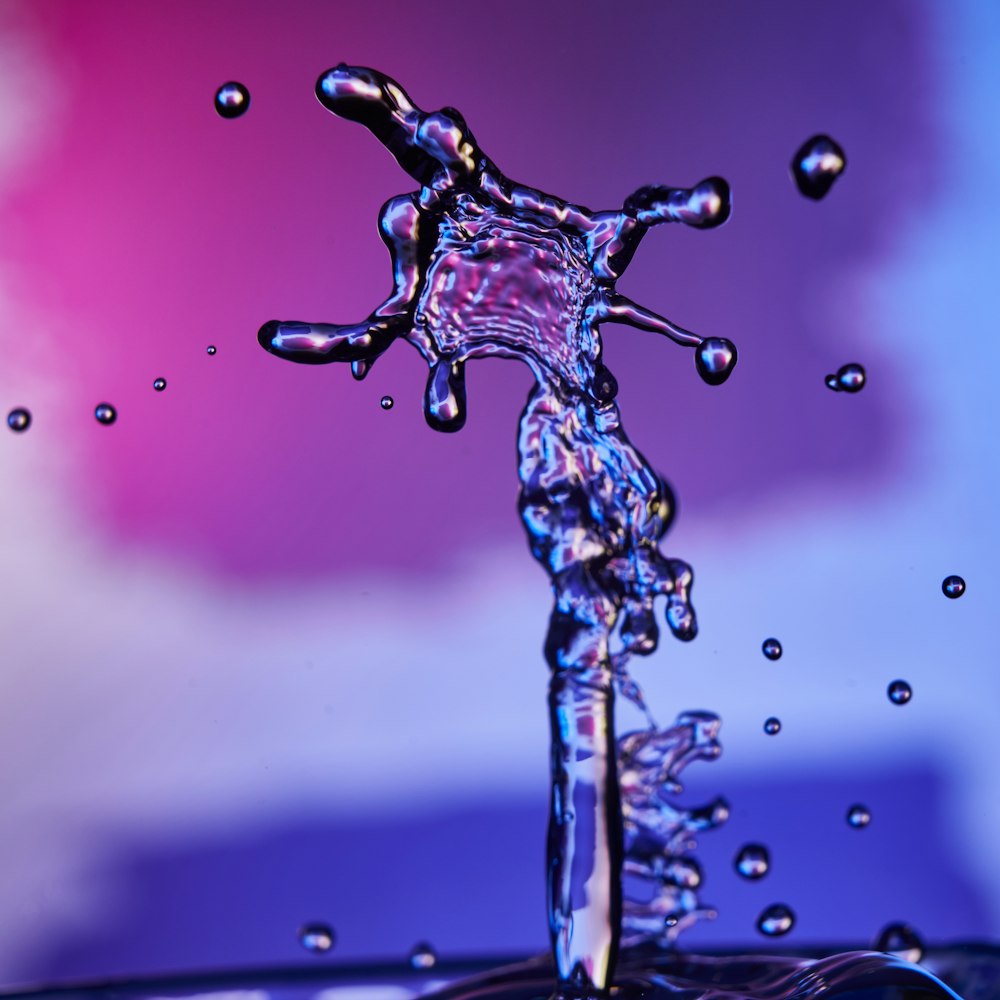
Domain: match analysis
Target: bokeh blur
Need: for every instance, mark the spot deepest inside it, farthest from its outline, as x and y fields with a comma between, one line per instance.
x=271, y=653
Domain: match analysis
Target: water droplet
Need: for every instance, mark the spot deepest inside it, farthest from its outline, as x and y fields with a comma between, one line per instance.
x=753, y=861
x=772, y=726
x=818, y=162
x=232, y=100
x=316, y=938
x=387, y=402
x=858, y=816
x=776, y=920
x=605, y=385
x=159, y=384
x=210, y=349
x=19, y=419
x=671, y=920
x=715, y=358
x=771, y=648
x=899, y=692
x=953, y=586
x=849, y=378
x=901, y=940
x=105, y=413
x=423, y=956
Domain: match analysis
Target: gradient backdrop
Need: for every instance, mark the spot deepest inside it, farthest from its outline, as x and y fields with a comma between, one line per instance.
x=270, y=653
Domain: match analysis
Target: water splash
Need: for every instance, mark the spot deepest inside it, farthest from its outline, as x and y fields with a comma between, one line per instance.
x=485, y=267
x=648, y=972
x=661, y=879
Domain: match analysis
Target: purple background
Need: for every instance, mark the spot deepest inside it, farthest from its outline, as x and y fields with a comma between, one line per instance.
x=273, y=654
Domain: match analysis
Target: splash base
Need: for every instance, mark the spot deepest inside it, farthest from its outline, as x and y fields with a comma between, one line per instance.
x=969, y=971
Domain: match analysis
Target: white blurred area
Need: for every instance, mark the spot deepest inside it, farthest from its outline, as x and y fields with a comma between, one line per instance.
x=141, y=696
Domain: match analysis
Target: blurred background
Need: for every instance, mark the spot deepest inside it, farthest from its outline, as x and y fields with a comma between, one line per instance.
x=272, y=654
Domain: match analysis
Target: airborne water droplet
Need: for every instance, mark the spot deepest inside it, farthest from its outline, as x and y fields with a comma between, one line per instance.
x=210, y=349
x=772, y=726
x=953, y=586
x=105, y=413
x=858, y=816
x=715, y=358
x=159, y=384
x=19, y=419
x=776, y=920
x=605, y=385
x=387, y=402
x=317, y=938
x=851, y=377
x=817, y=163
x=771, y=648
x=423, y=956
x=901, y=940
x=899, y=692
x=232, y=100
x=753, y=861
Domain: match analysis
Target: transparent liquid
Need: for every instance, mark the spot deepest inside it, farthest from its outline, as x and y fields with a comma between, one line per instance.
x=485, y=267
x=970, y=971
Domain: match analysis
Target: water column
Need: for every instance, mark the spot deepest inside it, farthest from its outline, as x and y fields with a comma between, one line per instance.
x=485, y=267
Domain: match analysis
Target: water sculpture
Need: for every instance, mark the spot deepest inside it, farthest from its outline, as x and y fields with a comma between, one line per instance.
x=485, y=267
